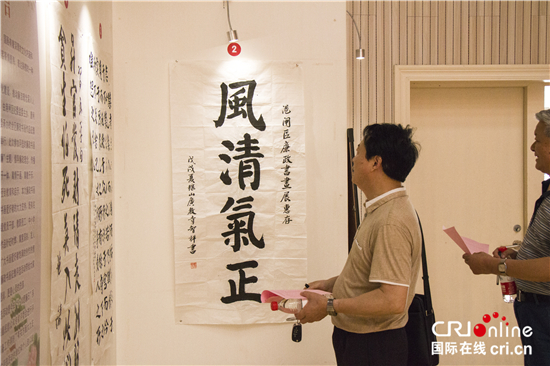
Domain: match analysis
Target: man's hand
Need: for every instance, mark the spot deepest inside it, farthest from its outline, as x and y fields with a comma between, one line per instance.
x=508, y=253
x=315, y=309
x=481, y=263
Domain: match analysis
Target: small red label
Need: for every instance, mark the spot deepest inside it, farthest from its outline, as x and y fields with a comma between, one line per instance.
x=508, y=288
x=100, y=31
x=234, y=49
x=193, y=265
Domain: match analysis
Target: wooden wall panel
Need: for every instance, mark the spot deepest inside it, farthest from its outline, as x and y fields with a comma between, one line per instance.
x=437, y=33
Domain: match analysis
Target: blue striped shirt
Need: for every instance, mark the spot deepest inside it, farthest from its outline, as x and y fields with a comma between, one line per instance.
x=536, y=243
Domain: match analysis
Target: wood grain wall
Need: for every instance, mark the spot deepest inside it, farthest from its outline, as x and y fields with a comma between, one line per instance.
x=435, y=33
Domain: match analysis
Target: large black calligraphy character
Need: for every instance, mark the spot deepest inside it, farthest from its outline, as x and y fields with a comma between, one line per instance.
x=67, y=330
x=65, y=141
x=74, y=139
x=73, y=92
x=236, y=101
x=62, y=40
x=65, y=186
x=76, y=194
x=72, y=63
x=76, y=231
x=76, y=319
x=64, y=102
x=76, y=275
x=241, y=294
x=239, y=229
x=66, y=243
x=249, y=165
x=67, y=281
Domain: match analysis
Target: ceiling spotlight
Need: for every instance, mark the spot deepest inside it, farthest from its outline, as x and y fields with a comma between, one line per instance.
x=232, y=34
x=360, y=52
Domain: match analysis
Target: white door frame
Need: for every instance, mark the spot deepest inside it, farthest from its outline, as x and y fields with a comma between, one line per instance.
x=530, y=77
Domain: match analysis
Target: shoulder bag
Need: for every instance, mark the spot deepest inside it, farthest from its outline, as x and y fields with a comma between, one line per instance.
x=421, y=320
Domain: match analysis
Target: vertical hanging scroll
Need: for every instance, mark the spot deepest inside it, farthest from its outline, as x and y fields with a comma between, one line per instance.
x=21, y=187
x=238, y=165
x=102, y=238
x=71, y=290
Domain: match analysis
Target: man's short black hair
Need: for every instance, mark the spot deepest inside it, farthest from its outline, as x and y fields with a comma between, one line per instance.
x=394, y=144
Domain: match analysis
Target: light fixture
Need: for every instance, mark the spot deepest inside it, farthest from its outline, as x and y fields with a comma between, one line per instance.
x=232, y=34
x=360, y=52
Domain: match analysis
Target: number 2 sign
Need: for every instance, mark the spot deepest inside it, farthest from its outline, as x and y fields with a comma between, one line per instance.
x=234, y=49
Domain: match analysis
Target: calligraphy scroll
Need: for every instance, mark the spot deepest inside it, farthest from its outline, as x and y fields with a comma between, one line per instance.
x=71, y=290
x=102, y=238
x=21, y=188
x=239, y=198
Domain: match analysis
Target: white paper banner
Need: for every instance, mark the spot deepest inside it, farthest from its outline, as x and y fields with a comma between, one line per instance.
x=102, y=241
x=239, y=190
x=70, y=284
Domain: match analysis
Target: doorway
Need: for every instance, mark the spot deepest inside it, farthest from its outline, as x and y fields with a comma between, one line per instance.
x=475, y=172
x=470, y=176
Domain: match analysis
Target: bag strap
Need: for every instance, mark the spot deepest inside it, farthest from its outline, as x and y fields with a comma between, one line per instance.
x=425, y=277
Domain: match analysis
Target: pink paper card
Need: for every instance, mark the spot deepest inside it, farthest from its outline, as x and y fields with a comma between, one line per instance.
x=277, y=295
x=467, y=245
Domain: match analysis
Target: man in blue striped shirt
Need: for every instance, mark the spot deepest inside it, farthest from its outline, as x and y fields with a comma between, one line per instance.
x=530, y=266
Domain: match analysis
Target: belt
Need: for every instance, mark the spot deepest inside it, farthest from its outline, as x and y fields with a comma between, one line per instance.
x=530, y=297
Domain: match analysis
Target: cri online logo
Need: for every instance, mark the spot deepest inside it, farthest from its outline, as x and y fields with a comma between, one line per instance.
x=480, y=329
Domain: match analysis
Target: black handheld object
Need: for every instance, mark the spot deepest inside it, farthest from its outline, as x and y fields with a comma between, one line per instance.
x=297, y=332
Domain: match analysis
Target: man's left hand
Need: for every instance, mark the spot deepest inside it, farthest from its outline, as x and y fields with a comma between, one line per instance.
x=315, y=309
x=481, y=263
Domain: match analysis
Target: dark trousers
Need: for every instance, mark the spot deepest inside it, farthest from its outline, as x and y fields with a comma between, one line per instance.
x=388, y=347
x=536, y=316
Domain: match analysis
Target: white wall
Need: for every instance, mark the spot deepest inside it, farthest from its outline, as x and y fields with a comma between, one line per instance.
x=147, y=36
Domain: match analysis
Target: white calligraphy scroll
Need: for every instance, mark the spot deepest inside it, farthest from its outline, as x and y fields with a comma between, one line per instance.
x=70, y=284
x=239, y=189
x=21, y=187
x=99, y=68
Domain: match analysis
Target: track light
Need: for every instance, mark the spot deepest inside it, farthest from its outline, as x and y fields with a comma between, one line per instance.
x=360, y=52
x=232, y=34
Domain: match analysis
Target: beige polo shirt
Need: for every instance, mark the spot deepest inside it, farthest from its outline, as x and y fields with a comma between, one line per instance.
x=387, y=249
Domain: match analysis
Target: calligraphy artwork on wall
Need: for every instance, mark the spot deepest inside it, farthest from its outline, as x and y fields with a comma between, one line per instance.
x=70, y=262
x=102, y=224
x=239, y=188
x=21, y=185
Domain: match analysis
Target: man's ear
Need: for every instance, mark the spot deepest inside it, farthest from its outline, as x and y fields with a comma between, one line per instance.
x=377, y=162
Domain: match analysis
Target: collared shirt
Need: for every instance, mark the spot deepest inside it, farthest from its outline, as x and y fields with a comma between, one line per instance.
x=536, y=243
x=375, y=199
x=386, y=250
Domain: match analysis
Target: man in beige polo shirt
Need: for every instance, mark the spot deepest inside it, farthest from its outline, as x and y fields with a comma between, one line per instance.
x=374, y=290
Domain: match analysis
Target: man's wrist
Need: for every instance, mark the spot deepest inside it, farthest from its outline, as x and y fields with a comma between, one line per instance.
x=494, y=266
x=330, y=307
x=503, y=267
